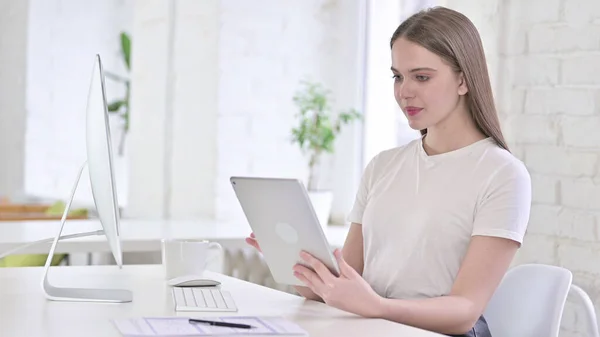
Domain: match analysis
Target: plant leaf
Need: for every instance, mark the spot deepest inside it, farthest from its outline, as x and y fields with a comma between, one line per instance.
x=116, y=105
x=126, y=49
x=316, y=130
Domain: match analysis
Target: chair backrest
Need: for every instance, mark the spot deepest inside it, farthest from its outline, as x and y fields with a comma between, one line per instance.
x=529, y=301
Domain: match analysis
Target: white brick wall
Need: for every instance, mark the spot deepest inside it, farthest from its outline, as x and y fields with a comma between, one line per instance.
x=556, y=101
x=63, y=37
x=581, y=12
x=263, y=57
x=583, y=69
x=549, y=96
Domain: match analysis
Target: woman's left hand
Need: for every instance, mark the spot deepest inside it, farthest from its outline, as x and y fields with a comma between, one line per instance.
x=348, y=292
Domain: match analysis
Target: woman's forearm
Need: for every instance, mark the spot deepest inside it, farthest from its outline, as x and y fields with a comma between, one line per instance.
x=447, y=314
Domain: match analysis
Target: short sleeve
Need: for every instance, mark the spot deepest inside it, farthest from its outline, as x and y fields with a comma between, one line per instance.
x=504, y=207
x=360, y=202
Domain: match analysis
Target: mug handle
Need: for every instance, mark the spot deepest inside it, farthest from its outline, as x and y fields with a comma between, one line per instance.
x=214, y=245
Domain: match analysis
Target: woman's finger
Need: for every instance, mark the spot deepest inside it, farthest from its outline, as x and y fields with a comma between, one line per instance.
x=345, y=269
x=253, y=243
x=306, y=281
x=311, y=278
x=319, y=268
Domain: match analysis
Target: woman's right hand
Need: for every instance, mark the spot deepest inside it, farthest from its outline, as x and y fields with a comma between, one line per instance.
x=251, y=240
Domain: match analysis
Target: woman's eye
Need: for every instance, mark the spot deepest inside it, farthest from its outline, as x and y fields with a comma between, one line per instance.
x=422, y=78
x=397, y=78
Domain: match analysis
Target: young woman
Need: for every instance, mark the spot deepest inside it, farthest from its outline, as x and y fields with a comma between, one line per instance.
x=437, y=222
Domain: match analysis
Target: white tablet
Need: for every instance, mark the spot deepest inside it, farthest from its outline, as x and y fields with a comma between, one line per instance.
x=284, y=222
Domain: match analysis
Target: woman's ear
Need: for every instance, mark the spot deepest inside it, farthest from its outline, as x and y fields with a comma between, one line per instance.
x=462, y=87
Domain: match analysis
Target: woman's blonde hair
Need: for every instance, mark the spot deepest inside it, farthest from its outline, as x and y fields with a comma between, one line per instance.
x=453, y=37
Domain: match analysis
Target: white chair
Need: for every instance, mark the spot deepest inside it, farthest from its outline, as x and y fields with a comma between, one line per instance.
x=530, y=302
x=590, y=311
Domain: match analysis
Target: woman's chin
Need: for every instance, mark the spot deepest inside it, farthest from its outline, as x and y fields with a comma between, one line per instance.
x=416, y=125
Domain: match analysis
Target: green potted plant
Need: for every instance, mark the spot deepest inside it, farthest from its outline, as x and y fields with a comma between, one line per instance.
x=120, y=106
x=315, y=134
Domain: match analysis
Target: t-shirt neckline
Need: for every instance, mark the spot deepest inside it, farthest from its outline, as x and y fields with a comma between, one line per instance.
x=463, y=151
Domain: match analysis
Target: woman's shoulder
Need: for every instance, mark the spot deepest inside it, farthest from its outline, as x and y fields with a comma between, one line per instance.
x=503, y=169
x=503, y=161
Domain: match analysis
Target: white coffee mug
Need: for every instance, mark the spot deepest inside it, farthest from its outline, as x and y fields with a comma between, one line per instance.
x=185, y=257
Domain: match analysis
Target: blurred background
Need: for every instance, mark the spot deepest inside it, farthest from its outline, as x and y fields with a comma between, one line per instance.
x=202, y=90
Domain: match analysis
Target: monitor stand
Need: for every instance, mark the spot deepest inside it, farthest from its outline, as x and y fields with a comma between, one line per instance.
x=78, y=294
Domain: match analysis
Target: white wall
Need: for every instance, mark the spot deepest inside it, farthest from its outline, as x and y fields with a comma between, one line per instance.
x=63, y=37
x=13, y=51
x=172, y=148
x=236, y=105
x=381, y=107
x=557, y=76
x=223, y=103
x=264, y=54
x=545, y=59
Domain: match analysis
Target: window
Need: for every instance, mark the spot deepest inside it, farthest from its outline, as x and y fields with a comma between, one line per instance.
x=385, y=125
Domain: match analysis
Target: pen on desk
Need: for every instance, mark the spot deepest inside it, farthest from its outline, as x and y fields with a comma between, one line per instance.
x=224, y=324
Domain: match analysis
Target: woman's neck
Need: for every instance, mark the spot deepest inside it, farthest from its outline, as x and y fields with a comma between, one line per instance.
x=455, y=132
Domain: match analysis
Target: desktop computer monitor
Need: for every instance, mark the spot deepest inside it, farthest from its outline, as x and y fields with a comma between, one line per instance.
x=100, y=161
x=102, y=178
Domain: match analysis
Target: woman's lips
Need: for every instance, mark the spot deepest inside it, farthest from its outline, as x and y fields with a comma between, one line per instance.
x=411, y=110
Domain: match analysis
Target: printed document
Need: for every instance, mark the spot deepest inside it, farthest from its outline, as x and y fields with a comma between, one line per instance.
x=181, y=327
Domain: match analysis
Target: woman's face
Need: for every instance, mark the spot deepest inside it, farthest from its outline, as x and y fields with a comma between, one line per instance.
x=426, y=88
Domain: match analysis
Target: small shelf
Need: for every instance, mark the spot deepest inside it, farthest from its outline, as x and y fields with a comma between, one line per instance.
x=28, y=212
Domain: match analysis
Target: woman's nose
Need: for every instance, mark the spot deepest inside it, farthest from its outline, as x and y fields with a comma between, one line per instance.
x=404, y=90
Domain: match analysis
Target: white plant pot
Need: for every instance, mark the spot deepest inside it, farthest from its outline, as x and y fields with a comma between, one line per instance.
x=321, y=201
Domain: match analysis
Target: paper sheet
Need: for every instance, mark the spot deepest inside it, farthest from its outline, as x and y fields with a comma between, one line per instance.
x=180, y=326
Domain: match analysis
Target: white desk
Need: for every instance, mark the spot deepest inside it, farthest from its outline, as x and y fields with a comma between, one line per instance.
x=136, y=235
x=25, y=312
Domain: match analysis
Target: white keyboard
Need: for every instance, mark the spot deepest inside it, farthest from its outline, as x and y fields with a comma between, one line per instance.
x=202, y=299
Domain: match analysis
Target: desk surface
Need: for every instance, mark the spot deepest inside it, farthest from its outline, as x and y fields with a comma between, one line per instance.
x=24, y=311
x=136, y=235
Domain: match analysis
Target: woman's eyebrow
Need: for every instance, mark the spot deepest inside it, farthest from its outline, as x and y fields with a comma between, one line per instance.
x=415, y=69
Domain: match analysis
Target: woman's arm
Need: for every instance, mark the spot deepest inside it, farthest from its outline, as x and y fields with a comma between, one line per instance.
x=353, y=255
x=485, y=263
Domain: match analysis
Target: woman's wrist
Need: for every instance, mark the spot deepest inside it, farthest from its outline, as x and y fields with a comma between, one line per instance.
x=380, y=309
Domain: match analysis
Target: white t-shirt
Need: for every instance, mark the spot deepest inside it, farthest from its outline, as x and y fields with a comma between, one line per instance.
x=418, y=213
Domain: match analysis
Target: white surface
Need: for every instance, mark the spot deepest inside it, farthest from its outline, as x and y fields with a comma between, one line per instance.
x=205, y=299
x=529, y=302
x=25, y=311
x=136, y=235
x=284, y=222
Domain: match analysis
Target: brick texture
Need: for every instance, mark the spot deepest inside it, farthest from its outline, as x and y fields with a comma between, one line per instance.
x=549, y=103
x=559, y=71
x=276, y=50
x=62, y=39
